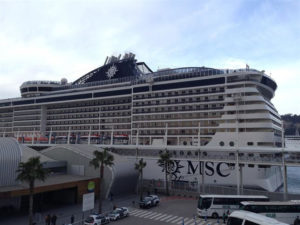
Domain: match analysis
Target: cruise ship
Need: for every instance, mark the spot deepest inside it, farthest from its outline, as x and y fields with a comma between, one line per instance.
x=125, y=102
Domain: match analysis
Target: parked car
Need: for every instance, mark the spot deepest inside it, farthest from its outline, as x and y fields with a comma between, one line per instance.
x=96, y=219
x=118, y=213
x=149, y=201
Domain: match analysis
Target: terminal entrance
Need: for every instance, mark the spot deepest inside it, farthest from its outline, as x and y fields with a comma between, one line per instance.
x=51, y=199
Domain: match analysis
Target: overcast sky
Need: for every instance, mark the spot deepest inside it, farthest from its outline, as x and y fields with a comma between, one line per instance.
x=49, y=40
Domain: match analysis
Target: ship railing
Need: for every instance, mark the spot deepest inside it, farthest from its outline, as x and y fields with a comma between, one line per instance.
x=41, y=82
x=229, y=157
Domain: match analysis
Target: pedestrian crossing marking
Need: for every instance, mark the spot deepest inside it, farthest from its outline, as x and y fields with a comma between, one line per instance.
x=162, y=219
x=144, y=214
x=175, y=221
x=167, y=218
x=155, y=216
x=163, y=215
x=152, y=214
x=140, y=213
x=180, y=222
x=189, y=222
x=171, y=218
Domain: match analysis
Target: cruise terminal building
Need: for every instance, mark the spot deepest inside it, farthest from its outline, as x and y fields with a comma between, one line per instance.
x=70, y=175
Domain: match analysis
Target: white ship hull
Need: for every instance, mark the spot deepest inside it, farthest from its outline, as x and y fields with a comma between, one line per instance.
x=269, y=179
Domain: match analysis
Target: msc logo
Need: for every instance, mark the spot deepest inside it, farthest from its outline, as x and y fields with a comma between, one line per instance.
x=176, y=170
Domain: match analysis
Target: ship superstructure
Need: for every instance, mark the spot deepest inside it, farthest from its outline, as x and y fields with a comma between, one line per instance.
x=123, y=97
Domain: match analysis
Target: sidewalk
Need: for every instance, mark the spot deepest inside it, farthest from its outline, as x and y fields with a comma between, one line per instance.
x=64, y=213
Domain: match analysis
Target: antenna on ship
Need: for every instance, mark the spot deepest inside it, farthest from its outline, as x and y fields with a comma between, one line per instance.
x=106, y=60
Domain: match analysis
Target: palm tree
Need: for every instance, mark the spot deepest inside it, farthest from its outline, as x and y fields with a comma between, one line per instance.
x=101, y=159
x=165, y=161
x=29, y=172
x=139, y=167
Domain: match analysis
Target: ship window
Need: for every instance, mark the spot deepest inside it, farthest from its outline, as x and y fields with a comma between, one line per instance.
x=231, y=143
x=249, y=143
x=221, y=143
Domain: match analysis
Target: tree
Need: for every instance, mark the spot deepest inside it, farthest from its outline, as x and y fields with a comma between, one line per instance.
x=29, y=172
x=101, y=159
x=139, y=167
x=165, y=161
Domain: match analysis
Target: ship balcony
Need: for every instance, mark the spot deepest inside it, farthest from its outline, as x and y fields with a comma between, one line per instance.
x=206, y=109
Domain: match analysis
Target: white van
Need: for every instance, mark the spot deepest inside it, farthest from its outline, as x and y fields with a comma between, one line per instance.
x=249, y=218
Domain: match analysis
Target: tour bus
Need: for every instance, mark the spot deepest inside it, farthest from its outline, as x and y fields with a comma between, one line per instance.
x=285, y=211
x=215, y=205
x=249, y=218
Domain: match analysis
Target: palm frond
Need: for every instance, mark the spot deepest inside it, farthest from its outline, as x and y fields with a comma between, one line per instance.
x=102, y=158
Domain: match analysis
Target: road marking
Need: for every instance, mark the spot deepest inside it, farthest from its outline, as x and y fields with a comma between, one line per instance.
x=171, y=218
x=157, y=218
x=137, y=212
x=189, y=221
x=202, y=223
x=166, y=217
x=151, y=214
x=140, y=213
x=134, y=210
x=144, y=214
x=180, y=222
x=176, y=220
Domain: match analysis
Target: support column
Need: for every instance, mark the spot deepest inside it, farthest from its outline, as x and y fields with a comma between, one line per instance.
x=50, y=136
x=203, y=176
x=69, y=134
x=137, y=137
x=112, y=136
x=199, y=139
x=32, y=137
x=237, y=171
x=241, y=179
x=89, y=138
x=199, y=187
x=166, y=135
x=18, y=134
x=285, y=187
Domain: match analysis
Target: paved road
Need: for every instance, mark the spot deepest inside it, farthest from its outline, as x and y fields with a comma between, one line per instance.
x=172, y=210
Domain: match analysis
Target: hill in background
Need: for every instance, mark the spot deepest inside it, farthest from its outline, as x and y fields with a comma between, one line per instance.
x=291, y=123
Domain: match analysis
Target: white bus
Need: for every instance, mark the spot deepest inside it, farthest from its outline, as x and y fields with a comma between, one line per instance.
x=285, y=211
x=250, y=218
x=215, y=205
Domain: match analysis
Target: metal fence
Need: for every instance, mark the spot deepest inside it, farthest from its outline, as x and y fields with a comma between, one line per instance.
x=192, y=189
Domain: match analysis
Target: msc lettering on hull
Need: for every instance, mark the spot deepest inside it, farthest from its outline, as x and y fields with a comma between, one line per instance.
x=179, y=169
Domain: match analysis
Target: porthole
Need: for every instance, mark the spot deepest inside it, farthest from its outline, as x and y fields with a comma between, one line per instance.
x=231, y=143
x=221, y=143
